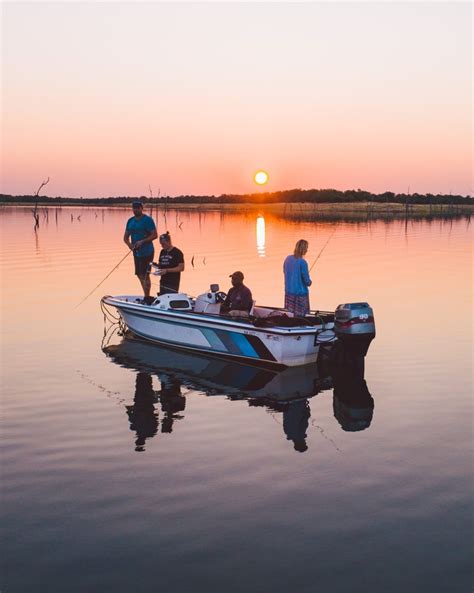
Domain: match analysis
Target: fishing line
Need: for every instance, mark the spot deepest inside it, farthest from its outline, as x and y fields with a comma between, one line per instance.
x=102, y=281
x=321, y=252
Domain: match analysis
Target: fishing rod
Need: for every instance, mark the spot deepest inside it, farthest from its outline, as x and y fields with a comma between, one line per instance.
x=102, y=281
x=321, y=252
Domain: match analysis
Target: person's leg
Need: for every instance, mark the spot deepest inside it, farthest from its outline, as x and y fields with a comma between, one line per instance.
x=138, y=269
x=290, y=303
x=146, y=283
x=142, y=282
x=141, y=270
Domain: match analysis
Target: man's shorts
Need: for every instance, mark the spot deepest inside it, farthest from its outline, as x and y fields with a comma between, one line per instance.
x=141, y=264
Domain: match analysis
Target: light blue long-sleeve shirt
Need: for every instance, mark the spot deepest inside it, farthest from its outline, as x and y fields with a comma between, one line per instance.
x=297, y=277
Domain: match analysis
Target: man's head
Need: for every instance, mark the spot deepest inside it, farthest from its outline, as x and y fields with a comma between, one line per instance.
x=165, y=240
x=137, y=207
x=237, y=278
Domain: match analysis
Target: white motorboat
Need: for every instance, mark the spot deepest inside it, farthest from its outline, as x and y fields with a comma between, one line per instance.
x=269, y=336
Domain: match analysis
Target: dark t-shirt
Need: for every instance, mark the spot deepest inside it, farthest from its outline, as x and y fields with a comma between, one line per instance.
x=239, y=298
x=170, y=259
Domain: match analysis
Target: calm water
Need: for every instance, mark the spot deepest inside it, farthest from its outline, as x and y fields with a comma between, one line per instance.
x=142, y=470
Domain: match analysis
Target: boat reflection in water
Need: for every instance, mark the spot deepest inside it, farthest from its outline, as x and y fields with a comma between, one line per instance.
x=352, y=403
x=285, y=392
x=143, y=415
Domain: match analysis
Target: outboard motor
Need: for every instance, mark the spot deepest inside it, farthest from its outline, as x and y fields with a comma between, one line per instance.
x=355, y=328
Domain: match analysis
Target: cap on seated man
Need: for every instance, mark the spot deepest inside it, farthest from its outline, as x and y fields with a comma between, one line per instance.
x=239, y=298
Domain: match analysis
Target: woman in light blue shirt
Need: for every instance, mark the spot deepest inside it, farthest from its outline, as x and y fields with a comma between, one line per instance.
x=297, y=280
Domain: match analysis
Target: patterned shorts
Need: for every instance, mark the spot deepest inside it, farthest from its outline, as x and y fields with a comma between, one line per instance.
x=298, y=304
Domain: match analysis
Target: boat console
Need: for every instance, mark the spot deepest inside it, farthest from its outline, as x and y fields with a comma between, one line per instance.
x=210, y=302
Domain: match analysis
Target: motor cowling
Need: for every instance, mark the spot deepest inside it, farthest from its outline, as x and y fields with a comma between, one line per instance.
x=354, y=319
x=354, y=325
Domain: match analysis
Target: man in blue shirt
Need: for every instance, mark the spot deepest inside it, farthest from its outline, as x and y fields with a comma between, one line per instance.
x=140, y=233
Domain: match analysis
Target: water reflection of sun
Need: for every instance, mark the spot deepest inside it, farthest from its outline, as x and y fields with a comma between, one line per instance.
x=260, y=177
x=261, y=235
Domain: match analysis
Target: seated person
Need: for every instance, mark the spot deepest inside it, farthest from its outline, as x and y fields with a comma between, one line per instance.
x=239, y=298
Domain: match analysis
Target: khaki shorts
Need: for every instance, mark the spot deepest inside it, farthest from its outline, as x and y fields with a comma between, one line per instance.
x=238, y=313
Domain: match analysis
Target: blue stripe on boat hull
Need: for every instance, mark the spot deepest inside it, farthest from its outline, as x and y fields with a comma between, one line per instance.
x=271, y=364
x=221, y=341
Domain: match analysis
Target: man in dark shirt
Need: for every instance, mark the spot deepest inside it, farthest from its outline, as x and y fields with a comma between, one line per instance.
x=239, y=298
x=171, y=264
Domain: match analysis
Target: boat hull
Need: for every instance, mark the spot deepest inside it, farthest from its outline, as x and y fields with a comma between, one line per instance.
x=239, y=340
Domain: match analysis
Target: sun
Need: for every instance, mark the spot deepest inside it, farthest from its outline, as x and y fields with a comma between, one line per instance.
x=260, y=177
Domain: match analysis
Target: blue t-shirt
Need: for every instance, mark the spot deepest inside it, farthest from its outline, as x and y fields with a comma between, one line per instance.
x=297, y=277
x=140, y=229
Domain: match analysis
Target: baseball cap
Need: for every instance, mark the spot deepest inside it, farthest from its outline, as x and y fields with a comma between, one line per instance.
x=138, y=203
x=237, y=275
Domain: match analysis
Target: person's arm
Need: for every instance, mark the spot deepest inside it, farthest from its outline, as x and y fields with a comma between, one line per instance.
x=178, y=268
x=247, y=300
x=305, y=273
x=152, y=235
x=225, y=306
x=126, y=240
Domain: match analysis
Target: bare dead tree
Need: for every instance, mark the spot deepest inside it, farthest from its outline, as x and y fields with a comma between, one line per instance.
x=35, y=211
x=157, y=198
x=151, y=200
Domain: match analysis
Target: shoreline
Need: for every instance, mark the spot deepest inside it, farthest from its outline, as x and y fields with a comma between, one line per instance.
x=298, y=212
x=268, y=206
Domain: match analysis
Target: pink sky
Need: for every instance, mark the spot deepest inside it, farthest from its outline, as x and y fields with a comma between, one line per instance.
x=108, y=98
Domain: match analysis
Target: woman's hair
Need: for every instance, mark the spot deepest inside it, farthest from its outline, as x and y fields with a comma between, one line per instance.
x=301, y=248
x=166, y=236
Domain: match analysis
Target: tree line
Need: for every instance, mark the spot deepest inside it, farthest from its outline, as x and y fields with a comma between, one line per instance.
x=316, y=196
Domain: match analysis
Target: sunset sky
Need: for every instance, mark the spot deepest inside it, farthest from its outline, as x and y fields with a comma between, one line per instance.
x=109, y=98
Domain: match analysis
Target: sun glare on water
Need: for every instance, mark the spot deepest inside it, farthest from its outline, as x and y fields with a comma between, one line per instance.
x=261, y=177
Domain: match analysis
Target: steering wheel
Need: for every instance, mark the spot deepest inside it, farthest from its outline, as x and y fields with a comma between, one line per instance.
x=220, y=297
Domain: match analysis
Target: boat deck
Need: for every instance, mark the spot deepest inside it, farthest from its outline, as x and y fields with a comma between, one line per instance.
x=264, y=317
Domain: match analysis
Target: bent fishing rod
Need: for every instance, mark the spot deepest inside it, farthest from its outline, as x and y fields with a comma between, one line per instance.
x=102, y=281
x=321, y=252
